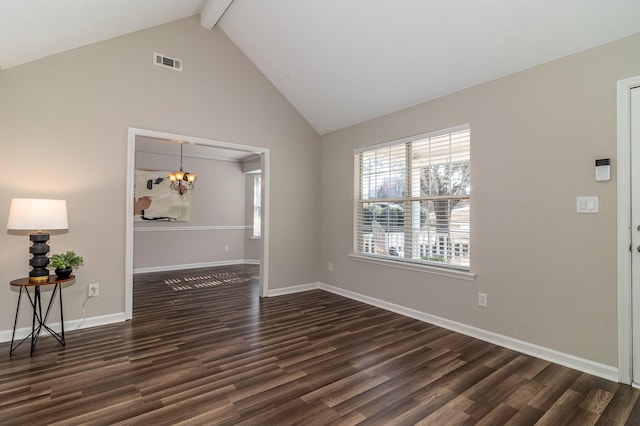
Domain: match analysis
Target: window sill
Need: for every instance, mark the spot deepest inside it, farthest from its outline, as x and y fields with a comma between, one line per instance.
x=447, y=272
x=254, y=238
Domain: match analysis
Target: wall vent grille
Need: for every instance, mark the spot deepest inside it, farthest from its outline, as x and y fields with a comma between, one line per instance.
x=167, y=62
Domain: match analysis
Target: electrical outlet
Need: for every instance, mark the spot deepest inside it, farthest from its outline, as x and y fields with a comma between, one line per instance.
x=482, y=299
x=93, y=290
x=226, y=249
x=330, y=266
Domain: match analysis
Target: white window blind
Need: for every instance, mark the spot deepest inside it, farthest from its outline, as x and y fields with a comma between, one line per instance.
x=412, y=199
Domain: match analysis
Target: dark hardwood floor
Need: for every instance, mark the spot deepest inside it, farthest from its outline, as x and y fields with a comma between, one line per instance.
x=204, y=349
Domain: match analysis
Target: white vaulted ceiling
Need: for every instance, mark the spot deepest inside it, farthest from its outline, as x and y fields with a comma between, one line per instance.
x=341, y=62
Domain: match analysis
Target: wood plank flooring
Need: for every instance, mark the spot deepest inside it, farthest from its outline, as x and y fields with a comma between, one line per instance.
x=203, y=348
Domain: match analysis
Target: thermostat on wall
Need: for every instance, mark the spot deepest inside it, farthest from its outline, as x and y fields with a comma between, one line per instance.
x=603, y=169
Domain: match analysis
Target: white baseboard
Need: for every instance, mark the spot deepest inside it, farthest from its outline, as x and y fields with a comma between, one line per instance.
x=557, y=357
x=21, y=333
x=294, y=289
x=195, y=265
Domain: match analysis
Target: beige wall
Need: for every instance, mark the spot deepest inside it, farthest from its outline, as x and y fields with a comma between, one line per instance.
x=217, y=217
x=550, y=274
x=63, y=132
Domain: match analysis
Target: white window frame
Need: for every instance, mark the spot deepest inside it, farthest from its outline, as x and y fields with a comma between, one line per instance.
x=411, y=256
x=257, y=206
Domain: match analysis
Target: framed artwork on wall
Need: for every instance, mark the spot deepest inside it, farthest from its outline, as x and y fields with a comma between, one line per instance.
x=154, y=200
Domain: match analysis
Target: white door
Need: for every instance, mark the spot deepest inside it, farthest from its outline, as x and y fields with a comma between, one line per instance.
x=635, y=229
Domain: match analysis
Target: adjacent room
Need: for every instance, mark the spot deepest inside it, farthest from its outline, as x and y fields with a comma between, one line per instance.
x=320, y=212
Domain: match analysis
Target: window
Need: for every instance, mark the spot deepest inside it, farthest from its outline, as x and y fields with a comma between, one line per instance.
x=412, y=199
x=256, y=205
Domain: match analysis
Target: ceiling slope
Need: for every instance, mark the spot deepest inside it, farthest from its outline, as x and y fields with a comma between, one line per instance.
x=34, y=29
x=344, y=62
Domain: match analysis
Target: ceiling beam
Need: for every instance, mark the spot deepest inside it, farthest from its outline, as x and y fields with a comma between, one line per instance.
x=212, y=11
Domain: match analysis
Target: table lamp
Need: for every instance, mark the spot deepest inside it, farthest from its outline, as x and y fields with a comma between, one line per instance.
x=38, y=216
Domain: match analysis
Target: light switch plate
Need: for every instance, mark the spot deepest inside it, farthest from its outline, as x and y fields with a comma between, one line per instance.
x=588, y=205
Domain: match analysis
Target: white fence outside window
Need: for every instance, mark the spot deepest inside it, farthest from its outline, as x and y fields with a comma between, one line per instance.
x=452, y=248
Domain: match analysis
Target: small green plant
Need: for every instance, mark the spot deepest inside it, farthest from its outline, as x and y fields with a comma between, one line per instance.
x=65, y=260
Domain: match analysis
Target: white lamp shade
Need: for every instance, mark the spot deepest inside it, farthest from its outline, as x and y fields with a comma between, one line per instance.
x=31, y=214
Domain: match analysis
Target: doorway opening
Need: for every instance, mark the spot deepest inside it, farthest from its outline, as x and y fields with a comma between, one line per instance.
x=256, y=157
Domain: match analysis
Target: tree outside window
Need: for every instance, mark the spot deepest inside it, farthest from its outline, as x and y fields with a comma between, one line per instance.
x=412, y=199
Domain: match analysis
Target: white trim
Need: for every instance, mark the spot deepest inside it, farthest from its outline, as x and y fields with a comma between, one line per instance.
x=561, y=358
x=265, y=164
x=192, y=228
x=414, y=266
x=78, y=324
x=128, y=248
x=294, y=289
x=166, y=268
x=625, y=351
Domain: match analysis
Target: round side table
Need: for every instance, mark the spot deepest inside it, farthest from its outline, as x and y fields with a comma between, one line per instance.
x=38, y=321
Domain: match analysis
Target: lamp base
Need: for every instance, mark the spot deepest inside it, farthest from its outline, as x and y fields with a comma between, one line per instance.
x=42, y=279
x=39, y=260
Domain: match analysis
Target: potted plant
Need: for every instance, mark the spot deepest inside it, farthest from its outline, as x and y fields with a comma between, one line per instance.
x=64, y=263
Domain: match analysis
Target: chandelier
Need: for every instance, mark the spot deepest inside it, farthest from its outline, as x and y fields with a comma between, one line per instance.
x=181, y=181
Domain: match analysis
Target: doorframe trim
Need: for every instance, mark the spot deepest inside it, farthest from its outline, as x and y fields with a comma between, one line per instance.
x=625, y=319
x=265, y=163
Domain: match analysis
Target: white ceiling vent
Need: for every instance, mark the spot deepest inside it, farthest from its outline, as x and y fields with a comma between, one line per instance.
x=165, y=61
